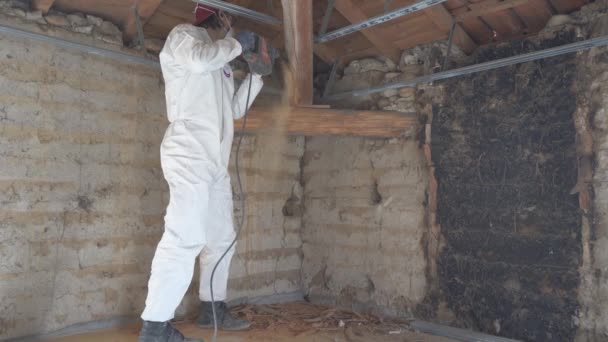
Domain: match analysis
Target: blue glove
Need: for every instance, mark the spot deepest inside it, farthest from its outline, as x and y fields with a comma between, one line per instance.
x=246, y=39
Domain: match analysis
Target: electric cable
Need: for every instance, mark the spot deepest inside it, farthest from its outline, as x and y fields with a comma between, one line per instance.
x=242, y=198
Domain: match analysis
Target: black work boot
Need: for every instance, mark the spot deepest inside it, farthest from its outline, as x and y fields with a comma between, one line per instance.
x=225, y=320
x=161, y=332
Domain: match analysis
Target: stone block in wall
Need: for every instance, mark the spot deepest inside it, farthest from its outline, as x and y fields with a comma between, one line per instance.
x=112, y=39
x=16, y=12
x=367, y=64
x=390, y=92
x=83, y=29
x=35, y=16
x=14, y=4
x=57, y=20
x=77, y=20
x=403, y=105
x=109, y=29
x=357, y=81
x=93, y=20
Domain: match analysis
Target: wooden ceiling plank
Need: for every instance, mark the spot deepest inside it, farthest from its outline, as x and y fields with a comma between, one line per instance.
x=297, y=23
x=375, y=34
x=115, y=11
x=486, y=7
x=420, y=38
x=503, y=24
x=146, y=9
x=406, y=28
x=443, y=20
x=535, y=14
x=42, y=5
x=478, y=31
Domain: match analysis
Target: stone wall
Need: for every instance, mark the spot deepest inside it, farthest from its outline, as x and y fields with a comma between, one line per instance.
x=591, y=121
x=83, y=196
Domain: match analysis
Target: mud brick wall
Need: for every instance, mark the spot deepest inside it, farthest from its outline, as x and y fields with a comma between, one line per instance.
x=82, y=195
x=364, y=223
x=505, y=156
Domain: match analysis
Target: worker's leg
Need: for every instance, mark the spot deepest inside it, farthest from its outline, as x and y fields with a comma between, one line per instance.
x=220, y=233
x=182, y=241
x=189, y=178
x=219, y=229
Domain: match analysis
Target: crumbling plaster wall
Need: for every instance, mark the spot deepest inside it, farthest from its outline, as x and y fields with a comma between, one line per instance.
x=83, y=196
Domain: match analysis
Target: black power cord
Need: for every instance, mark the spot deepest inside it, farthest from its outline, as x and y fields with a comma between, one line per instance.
x=242, y=197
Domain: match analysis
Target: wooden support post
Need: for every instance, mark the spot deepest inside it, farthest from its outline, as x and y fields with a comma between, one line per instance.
x=297, y=22
x=322, y=121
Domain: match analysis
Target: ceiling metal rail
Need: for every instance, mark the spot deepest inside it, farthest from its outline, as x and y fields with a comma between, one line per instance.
x=112, y=54
x=377, y=20
x=527, y=57
x=240, y=11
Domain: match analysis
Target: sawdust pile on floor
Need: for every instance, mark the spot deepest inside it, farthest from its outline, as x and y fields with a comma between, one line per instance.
x=304, y=317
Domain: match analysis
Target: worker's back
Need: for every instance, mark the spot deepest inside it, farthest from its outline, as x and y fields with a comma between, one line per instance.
x=199, y=90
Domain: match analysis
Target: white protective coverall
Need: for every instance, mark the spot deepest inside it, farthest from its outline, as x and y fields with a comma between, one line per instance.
x=201, y=107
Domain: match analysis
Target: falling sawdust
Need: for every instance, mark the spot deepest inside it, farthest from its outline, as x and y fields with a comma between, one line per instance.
x=274, y=138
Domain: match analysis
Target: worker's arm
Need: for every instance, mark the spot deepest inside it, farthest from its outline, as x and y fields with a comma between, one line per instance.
x=197, y=55
x=239, y=108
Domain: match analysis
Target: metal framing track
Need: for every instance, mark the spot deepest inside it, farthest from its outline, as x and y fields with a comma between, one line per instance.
x=527, y=57
x=112, y=54
x=377, y=20
x=240, y=11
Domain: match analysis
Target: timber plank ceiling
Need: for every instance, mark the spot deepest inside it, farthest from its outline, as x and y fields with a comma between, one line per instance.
x=479, y=22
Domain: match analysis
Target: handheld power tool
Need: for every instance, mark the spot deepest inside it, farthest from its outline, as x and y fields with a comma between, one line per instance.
x=261, y=59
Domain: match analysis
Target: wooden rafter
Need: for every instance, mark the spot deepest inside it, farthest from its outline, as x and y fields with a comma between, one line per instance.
x=322, y=121
x=297, y=23
x=354, y=14
x=42, y=5
x=146, y=9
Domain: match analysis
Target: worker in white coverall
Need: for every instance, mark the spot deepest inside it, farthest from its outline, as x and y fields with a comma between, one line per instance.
x=201, y=107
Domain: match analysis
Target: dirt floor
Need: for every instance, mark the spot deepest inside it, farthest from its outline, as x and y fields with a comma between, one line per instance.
x=286, y=322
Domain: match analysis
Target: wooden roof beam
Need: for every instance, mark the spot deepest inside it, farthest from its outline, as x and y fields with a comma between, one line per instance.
x=42, y=5
x=146, y=9
x=354, y=14
x=311, y=121
x=297, y=23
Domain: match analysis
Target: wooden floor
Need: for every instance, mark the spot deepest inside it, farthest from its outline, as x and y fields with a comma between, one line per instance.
x=287, y=322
